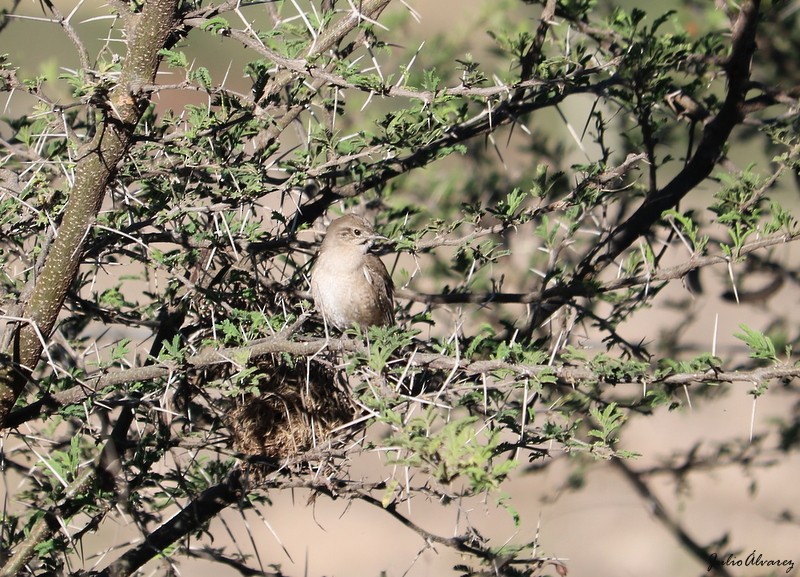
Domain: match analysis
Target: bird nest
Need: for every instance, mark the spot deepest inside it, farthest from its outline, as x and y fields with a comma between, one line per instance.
x=291, y=414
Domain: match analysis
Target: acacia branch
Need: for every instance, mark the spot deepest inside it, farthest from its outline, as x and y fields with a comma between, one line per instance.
x=506, y=108
x=55, y=516
x=232, y=489
x=196, y=514
x=655, y=505
x=97, y=164
x=579, y=289
x=237, y=356
x=303, y=66
x=709, y=150
x=44, y=527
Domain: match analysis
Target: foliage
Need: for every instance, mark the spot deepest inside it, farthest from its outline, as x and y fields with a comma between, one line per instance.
x=161, y=358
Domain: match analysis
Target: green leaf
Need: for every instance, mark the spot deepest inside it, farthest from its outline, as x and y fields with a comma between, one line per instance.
x=761, y=346
x=215, y=24
x=174, y=58
x=610, y=419
x=202, y=76
x=120, y=350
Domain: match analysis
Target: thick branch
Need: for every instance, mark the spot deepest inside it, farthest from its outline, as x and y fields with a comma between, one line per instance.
x=572, y=375
x=199, y=512
x=709, y=150
x=655, y=505
x=97, y=163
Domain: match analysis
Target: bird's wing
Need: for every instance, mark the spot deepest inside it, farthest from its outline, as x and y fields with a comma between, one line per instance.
x=384, y=287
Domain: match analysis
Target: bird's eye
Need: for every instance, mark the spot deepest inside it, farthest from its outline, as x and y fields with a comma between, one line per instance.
x=357, y=231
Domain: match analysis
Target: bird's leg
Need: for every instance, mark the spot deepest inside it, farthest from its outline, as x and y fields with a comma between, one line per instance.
x=325, y=326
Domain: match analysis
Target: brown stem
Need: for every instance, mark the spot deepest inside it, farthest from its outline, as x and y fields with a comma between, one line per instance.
x=709, y=150
x=660, y=512
x=98, y=161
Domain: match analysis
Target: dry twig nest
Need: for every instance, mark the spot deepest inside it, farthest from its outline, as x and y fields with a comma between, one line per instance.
x=291, y=415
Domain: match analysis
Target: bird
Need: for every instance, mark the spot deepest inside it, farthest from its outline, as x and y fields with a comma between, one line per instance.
x=349, y=284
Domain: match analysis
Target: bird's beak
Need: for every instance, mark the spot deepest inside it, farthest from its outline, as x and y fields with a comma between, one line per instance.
x=376, y=237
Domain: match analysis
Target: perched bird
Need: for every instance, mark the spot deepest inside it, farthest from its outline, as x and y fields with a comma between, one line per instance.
x=349, y=284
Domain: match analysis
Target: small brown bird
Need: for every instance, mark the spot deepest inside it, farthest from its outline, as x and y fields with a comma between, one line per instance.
x=349, y=284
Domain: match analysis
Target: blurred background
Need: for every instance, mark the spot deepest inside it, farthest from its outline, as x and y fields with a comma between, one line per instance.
x=590, y=516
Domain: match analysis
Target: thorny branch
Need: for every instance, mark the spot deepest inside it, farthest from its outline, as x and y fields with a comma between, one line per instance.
x=93, y=172
x=502, y=105
x=571, y=375
x=659, y=510
x=709, y=150
x=560, y=293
